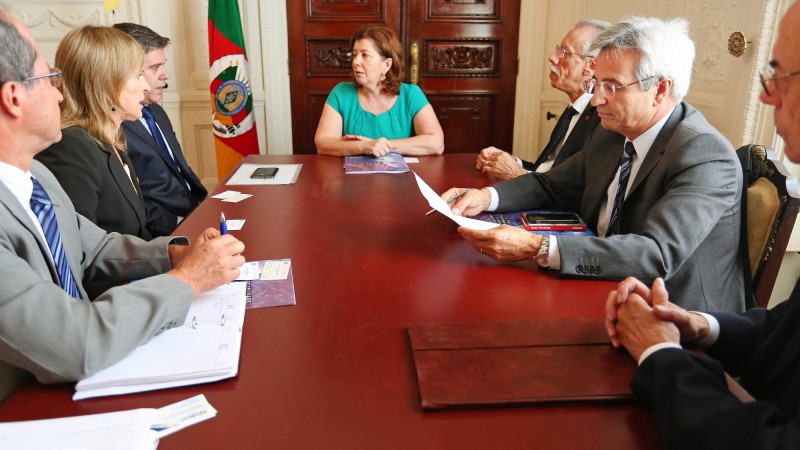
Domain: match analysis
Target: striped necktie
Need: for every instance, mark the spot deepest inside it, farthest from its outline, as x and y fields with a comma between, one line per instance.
x=624, y=174
x=43, y=209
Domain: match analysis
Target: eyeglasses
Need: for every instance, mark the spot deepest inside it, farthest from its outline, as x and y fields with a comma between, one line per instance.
x=54, y=75
x=607, y=88
x=767, y=75
x=564, y=52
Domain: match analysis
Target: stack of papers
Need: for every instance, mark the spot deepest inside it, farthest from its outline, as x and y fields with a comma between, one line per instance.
x=135, y=429
x=205, y=349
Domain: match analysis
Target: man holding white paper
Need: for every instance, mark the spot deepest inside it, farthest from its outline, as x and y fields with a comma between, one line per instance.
x=47, y=251
x=659, y=185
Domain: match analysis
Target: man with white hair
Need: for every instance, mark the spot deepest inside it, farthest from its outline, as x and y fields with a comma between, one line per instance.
x=659, y=185
x=687, y=391
x=571, y=65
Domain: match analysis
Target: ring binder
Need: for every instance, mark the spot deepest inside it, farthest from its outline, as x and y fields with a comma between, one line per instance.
x=195, y=323
x=206, y=348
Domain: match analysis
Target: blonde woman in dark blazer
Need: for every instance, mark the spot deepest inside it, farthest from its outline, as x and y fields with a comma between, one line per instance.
x=103, y=85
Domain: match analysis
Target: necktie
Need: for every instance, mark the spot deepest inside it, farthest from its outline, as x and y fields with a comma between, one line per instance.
x=624, y=174
x=162, y=145
x=558, y=134
x=43, y=209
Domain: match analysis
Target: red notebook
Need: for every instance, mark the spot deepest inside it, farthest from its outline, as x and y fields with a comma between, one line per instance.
x=522, y=362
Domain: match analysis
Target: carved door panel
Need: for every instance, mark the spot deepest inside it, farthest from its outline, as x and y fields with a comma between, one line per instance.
x=468, y=68
x=466, y=65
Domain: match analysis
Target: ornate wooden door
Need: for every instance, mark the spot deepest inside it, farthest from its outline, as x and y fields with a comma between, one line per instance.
x=463, y=52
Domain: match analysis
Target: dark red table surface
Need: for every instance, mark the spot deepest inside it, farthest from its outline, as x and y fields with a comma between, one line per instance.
x=335, y=371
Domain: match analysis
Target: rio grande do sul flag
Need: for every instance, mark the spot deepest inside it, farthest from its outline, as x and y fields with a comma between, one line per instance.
x=232, y=116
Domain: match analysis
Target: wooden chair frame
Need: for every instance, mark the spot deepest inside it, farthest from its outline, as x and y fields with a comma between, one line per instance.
x=757, y=162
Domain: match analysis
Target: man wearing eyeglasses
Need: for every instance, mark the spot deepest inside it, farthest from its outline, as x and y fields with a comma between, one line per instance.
x=692, y=404
x=659, y=185
x=572, y=64
x=48, y=327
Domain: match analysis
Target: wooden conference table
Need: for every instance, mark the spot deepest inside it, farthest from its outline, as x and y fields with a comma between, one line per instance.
x=336, y=371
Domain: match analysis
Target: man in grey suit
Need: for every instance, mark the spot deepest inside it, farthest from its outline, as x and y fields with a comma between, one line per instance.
x=572, y=64
x=170, y=187
x=54, y=332
x=659, y=185
x=692, y=404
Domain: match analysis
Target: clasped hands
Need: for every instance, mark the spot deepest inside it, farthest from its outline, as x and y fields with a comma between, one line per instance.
x=376, y=147
x=638, y=317
x=503, y=243
x=499, y=164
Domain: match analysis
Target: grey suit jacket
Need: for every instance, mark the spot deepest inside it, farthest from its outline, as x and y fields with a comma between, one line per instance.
x=46, y=332
x=680, y=220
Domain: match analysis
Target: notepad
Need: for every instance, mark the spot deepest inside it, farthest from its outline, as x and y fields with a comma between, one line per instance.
x=206, y=348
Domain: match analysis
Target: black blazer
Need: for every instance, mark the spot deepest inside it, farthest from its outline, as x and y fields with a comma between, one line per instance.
x=165, y=196
x=577, y=140
x=691, y=404
x=96, y=182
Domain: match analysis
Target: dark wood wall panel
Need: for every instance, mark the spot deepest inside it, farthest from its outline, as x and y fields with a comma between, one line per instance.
x=352, y=10
x=482, y=10
x=467, y=120
x=328, y=57
x=462, y=58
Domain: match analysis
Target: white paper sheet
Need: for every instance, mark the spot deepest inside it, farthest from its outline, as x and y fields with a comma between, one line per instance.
x=440, y=205
x=122, y=430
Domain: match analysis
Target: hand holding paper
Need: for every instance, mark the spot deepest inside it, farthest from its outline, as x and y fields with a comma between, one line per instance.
x=440, y=205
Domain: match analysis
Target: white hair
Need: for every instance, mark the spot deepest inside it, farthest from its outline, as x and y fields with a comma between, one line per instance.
x=596, y=26
x=664, y=46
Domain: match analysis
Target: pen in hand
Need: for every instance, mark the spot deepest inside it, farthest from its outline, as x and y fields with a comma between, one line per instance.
x=449, y=202
x=223, y=224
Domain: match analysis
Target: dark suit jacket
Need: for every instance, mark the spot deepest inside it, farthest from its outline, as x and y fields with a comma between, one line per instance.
x=165, y=196
x=680, y=220
x=692, y=406
x=577, y=140
x=96, y=182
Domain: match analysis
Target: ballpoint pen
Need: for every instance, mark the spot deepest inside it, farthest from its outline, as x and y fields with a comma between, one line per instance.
x=454, y=198
x=223, y=225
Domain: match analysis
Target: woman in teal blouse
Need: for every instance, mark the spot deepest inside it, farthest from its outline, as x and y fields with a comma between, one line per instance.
x=377, y=113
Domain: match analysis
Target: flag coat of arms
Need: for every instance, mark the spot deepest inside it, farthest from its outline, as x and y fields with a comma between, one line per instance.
x=232, y=116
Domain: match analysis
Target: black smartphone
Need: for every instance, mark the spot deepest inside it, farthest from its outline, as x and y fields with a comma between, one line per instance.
x=264, y=173
x=554, y=217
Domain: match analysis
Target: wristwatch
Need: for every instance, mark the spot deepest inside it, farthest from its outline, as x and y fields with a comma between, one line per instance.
x=543, y=255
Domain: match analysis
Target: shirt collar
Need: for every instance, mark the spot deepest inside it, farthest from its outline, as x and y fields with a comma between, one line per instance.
x=17, y=181
x=645, y=140
x=582, y=102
